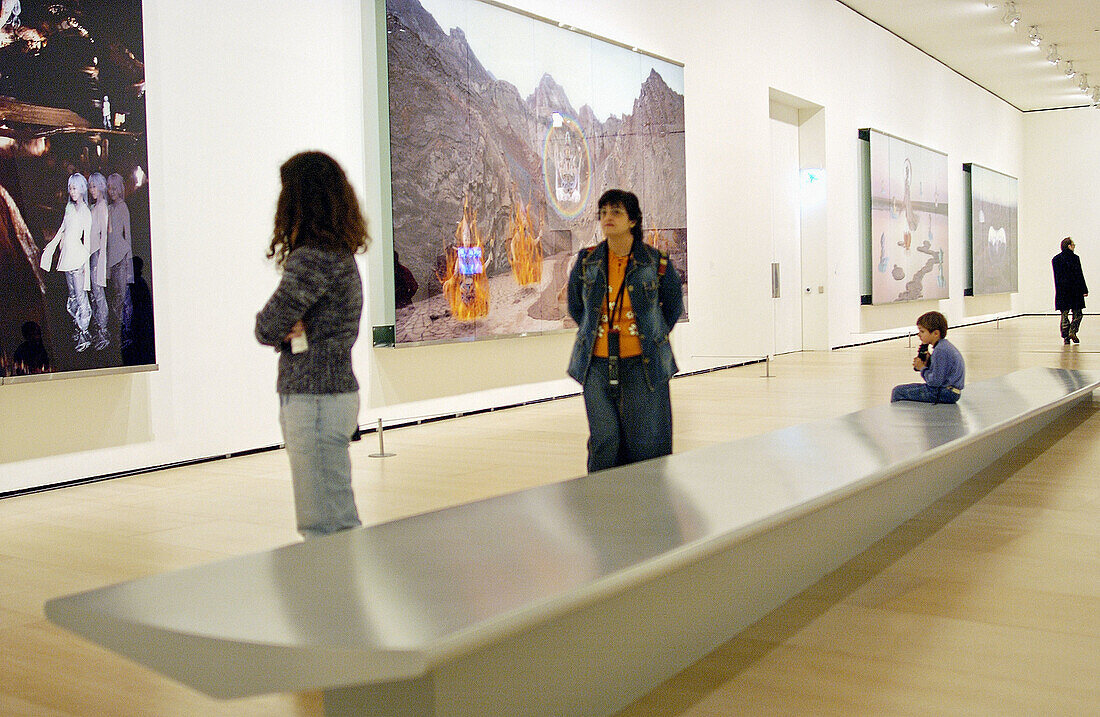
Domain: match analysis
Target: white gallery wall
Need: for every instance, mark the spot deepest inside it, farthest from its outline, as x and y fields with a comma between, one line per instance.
x=236, y=87
x=1062, y=160
x=233, y=88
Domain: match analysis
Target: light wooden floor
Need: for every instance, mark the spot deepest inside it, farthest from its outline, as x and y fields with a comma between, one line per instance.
x=986, y=603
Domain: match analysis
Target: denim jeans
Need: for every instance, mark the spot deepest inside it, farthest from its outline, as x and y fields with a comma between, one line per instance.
x=122, y=309
x=1069, y=326
x=78, y=307
x=634, y=425
x=98, y=304
x=317, y=429
x=924, y=393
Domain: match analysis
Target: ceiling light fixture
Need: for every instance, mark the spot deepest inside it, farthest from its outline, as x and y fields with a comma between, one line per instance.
x=1070, y=72
x=1034, y=37
x=1052, y=54
x=1011, y=16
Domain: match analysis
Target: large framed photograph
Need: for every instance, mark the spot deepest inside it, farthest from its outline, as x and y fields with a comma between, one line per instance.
x=993, y=230
x=909, y=227
x=504, y=129
x=75, y=269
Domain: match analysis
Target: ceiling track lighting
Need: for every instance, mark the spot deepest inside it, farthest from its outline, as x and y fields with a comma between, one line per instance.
x=1011, y=17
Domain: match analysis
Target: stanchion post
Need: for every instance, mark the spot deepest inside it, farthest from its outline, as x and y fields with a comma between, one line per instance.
x=381, y=444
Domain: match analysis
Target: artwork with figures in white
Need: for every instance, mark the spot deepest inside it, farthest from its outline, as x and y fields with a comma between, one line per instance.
x=908, y=221
x=993, y=230
x=76, y=271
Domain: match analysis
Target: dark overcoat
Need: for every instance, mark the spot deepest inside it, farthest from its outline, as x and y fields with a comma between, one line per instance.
x=1069, y=281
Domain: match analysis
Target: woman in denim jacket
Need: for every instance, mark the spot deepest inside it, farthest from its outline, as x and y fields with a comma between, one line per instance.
x=625, y=297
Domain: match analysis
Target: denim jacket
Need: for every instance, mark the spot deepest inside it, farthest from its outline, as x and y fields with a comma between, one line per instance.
x=656, y=298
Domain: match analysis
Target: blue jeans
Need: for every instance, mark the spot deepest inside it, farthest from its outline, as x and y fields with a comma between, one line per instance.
x=924, y=393
x=317, y=429
x=634, y=425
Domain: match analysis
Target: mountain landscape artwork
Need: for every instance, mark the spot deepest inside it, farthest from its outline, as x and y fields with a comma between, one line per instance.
x=504, y=131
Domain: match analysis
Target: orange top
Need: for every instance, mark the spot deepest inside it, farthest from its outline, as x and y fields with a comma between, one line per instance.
x=629, y=343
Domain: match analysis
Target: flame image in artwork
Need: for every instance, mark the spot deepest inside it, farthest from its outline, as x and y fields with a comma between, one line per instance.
x=464, y=282
x=656, y=239
x=524, y=248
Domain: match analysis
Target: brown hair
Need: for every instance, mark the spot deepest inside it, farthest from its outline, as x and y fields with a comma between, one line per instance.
x=1066, y=242
x=933, y=321
x=317, y=207
x=629, y=202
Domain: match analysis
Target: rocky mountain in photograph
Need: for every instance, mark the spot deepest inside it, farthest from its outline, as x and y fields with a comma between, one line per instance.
x=457, y=132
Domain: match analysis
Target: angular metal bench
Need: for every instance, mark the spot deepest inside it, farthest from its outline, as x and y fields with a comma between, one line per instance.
x=567, y=599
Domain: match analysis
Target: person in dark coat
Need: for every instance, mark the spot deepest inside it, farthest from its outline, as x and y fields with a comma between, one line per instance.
x=1069, y=290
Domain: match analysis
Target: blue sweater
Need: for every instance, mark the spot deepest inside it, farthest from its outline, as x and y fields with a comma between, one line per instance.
x=945, y=366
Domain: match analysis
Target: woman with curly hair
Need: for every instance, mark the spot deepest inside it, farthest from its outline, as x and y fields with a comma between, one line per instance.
x=312, y=320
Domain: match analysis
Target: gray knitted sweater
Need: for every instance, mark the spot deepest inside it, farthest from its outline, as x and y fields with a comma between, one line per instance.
x=323, y=289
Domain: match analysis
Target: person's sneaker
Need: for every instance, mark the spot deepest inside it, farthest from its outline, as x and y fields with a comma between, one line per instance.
x=1074, y=339
x=1065, y=341
x=101, y=344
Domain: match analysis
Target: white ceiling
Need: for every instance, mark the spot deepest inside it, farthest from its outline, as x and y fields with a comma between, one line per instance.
x=970, y=37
